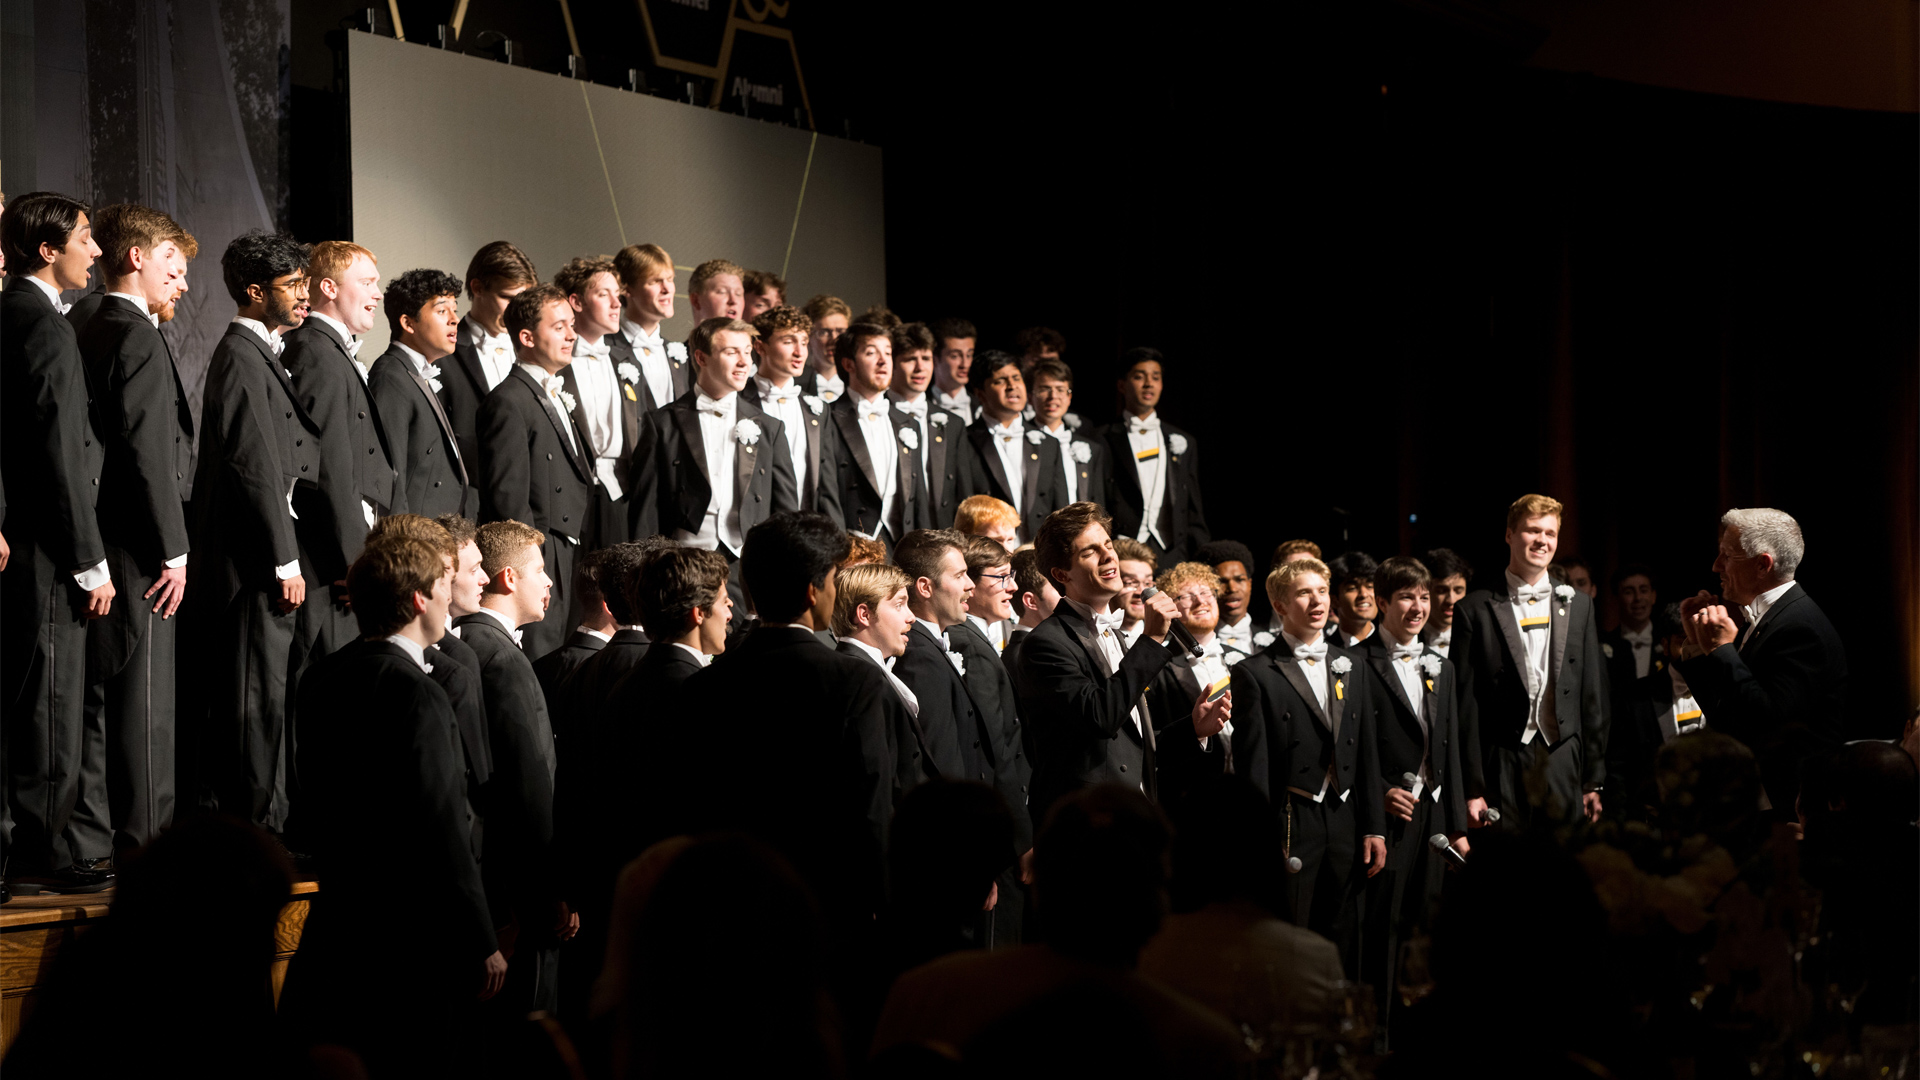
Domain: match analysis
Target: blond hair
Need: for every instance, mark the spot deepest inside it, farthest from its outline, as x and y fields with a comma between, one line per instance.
x=1533, y=506
x=415, y=527
x=1185, y=574
x=871, y=584
x=1281, y=576
x=504, y=543
x=711, y=269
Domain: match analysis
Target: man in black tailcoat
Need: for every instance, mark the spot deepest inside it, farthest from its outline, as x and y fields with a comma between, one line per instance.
x=1153, y=489
x=871, y=483
x=405, y=383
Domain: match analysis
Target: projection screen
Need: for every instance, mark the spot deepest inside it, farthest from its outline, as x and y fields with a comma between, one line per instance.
x=452, y=151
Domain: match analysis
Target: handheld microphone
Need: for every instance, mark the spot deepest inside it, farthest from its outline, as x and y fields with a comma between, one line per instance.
x=1408, y=780
x=1439, y=842
x=1490, y=816
x=1294, y=865
x=1178, y=633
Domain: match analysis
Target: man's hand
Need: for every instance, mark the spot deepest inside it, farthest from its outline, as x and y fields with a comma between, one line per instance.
x=1711, y=627
x=293, y=593
x=1161, y=611
x=493, y=975
x=1375, y=851
x=1695, y=602
x=1460, y=845
x=5, y=553
x=1026, y=867
x=1400, y=803
x=1209, y=717
x=566, y=922
x=1590, y=802
x=100, y=601
x=171, y=587
x=1476, y=813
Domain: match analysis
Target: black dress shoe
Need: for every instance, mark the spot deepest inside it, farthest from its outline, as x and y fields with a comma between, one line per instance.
x=74, y=879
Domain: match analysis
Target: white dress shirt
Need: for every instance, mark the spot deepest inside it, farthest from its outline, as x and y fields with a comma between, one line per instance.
x=876, y=426
x=1198, y=675
x=1150, y=463
x=141, y=303
x=1350, y=641
x=1064, y=436
x=1537, y=642
x=1759, y=608
x=505, y=623
x=1011, y=446
x=1237, y=635
x=700, y=656
x=599, y=387
x=1316, y=675
x=414, y=650
x=1112, y=652
x=784, y=404
x=496, y=351
x=1441, y=641
x=994, y=632
x=269, y=338
x=651, y=353
x=553, y=386
x=1405, y=662
x=959, y=403
x=904, y=691
x=831, y=388
x=722, y=522
x=53, y=295
x=918, y=407
x=1641, y=642
x=604, y=637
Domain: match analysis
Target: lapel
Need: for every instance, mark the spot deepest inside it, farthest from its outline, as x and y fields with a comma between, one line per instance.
x=1083, y=632
x=849, y=421
x=1765, y=628
x=433, y=403
x=1029, y=487
x=620, y=351
x=571, y=382
x=745, y=458
x=559, y=422
x=687, y=418
x=468, y=357
x=1384, y=665
x=1502, y=602
x=1125, y=470
x=279, y=371
x=983, y=441
x=934, y=436
x=1561, y=612
x=1289, y=666
x=904, y=487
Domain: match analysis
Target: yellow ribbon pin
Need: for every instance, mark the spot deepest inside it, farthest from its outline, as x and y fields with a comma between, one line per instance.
x=1339, y=690
x=628, y=387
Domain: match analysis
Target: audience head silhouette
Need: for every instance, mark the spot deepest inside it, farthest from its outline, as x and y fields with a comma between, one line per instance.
x=1100, y=874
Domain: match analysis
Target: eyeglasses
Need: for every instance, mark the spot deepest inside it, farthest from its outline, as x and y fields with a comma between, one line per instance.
x=291, y=286
x=1001, y=578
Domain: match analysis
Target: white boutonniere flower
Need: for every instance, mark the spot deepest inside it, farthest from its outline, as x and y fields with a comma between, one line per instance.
x=565, y=399
x=959, y=662
x=1262, y=639
x=814, y=404
x=432, y=371
x=940, y=419
x=1341, y=665
x=1430, y=663
x=1036, y=437
x=1082, y=452
x=909, y=438
x=628, y=372
x=1178, y=443
x=676, y=350
x=746, y=432
x=1607, y=650
x=1072, y=420
x=1564, y=592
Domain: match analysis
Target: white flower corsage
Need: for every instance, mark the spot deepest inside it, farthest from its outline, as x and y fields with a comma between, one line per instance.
x=1178, y=442
x=1036, y=437
x=909, y=438
x=432, y=375
x=814, y=403
x=1072, y=420
x=629, y=372
x=746, y=432
x=1430, y=663
x=940, y=419
x=959, y=662
x=1262, y=639
x=1564, y=592
x=676, y=350
x=1606, y=649
x=568, y=399
x=1082, y=452
x=1341, y=665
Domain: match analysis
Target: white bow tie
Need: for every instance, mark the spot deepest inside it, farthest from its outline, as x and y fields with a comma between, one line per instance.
x=353, y=347
x=1406, y=652
x=1110, y=620
x=516, y=635
x=1643, y=636
x=644, y=340
x=1144, y=427
x=917, y=409
x=1533, y=594
x=602, y=350
x=1313, y=653
x=783, y=395
x=707, y=405
x=1009, y=432
x=1443, y=639
x=870, y=413
x=154, y=319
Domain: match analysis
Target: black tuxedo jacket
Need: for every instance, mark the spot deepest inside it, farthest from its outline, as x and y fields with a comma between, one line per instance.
x=530, y=472
x=518, y=799
x=809, y=493
x=590, y=688
x=1783, y=691
x=1094, y=475
x=671, y=487
x=1491, y=658
x=1183, y=520
x=1283, y=739
x=680, y=375
x=991, y=688
x=426, y=453
x=850, y=492
x=554, y=669
x=1402, y=742
x=949, y=466
x=463, y=387
x=1079, y=718
x=637, y=788
x=355, y=462
x=459, y=678
x=959, y=746
x=140, y=413
x=52, y=460
x=805, y=762
x=388, y=787
x=1641, y=722
x=1042, y=491
x=1183, y=762
x=633, y=420
x=913, y=764
x=257, y=445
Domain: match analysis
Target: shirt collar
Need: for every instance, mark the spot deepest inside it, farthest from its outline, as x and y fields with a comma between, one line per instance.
x=53, y=294
x=139, y=302
x=696, y=653
x=505, y=623
x=639, y=337
x=584, y=629
x=908, y=400
x=1295, y=643
x=270, y=337
x=1642, y=636
x=338, y=326
x=1767, y=599
x=1514, y=583
x=1013, y=426
x=869, y=650
x=414, y=650
x=478, y=335
x=540, y=376
x=419, y=359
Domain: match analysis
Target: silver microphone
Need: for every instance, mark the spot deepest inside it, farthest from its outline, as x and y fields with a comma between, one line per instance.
x=1490, y=816
x=1177, y=632
x=1439, y=842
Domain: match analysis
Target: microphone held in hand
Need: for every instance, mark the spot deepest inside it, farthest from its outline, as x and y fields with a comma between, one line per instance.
x=1409, y=780
x=1177, y=632
x=1439, y=842
x=1489, y=816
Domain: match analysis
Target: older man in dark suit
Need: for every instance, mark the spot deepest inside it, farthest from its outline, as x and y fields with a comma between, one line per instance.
x=57, y=576
x=1777, y=679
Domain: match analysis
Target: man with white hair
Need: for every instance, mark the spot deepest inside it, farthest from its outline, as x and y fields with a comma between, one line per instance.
x=1777, y=678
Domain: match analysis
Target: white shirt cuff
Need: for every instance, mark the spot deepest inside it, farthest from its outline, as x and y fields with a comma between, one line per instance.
x=176, y=562
x=287, y=572
x=89, y=580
